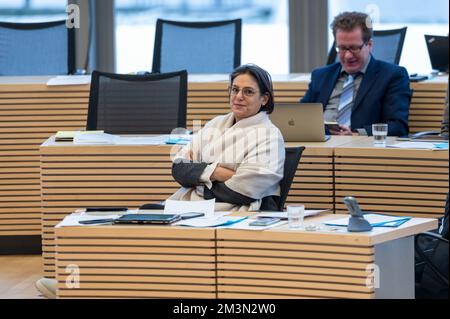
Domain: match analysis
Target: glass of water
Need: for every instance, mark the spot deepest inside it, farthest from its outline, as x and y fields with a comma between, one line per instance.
x=379, y=131
x=296, y=214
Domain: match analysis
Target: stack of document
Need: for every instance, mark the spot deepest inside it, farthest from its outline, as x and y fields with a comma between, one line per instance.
x=375, y=220
x=211, y=221
x=67, y=136
x=94, y=138
x=180, y=139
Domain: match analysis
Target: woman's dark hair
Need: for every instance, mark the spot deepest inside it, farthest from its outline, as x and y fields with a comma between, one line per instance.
x=263, y=79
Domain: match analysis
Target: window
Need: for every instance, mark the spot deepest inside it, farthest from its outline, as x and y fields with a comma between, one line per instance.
x=264, y=29
x=421, y=17
x=32, y=11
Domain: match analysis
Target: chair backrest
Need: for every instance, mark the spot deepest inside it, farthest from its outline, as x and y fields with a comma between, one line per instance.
x=431, y=259
x=293, y=155
x=432, y=270
x=198, y=47
x=46, y=48
x=387, y=46
x=137, y=104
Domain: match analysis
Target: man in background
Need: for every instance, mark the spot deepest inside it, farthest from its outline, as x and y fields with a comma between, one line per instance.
x=359, y=90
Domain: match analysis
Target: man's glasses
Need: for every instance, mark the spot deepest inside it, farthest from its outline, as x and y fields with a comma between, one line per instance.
x=354, y=49
x=248, y=92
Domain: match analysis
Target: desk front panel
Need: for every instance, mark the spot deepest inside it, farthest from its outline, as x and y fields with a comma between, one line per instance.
x=135, y=262
x=75, y=177
x=272, y=264
x=29, y=114
x=393, y=181
x=427, y=105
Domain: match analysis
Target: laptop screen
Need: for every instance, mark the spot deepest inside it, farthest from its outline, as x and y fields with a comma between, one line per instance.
x=438, y=51
x=300, y=122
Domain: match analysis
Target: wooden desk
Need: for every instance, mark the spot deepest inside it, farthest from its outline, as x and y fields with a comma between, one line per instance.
x=137, y=262
x=286, y=263
x=147, y=261
x=389, y=180
x=78, y=176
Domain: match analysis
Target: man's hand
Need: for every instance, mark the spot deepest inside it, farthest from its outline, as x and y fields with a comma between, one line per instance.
x=222, y=174
x=343, y=130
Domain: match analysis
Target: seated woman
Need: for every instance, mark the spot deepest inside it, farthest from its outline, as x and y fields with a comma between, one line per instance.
x=236, y=158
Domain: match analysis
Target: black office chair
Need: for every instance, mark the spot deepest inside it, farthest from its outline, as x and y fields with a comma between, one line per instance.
x=198, y=47
x=387, y=46
x=293, y=155
x=46, y=48
x=431, y=269
x=137, y=104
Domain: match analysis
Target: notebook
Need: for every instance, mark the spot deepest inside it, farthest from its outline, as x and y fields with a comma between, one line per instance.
x=300, y=122
x=438, y=51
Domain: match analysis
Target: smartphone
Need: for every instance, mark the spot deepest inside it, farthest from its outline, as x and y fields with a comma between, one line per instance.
x=106, y=209
x=266, y=221
x=333, y=126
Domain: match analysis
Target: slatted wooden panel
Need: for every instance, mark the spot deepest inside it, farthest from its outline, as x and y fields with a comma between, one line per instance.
x=427, y=105
x=29, y=114
x=208, y=100
x=392, y=181
x=313, y=181
x=275, y=264
x=136, y=262
x=81, y=176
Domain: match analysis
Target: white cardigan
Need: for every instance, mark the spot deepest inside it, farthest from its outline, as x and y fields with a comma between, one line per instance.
x=252, y=147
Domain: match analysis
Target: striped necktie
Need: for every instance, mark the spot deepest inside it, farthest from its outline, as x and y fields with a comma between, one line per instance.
x=346, y=101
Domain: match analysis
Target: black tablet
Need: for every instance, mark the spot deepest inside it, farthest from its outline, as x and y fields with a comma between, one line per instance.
x=147, y=219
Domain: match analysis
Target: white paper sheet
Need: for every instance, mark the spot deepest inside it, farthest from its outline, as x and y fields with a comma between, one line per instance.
x=414, y=145
x=94, y=138
x=283, y=215
x=141, y=140
x=179, y=207
x=210, y=221
x=69, y=80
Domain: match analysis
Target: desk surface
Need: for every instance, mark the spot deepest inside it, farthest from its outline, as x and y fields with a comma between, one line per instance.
x=282, y=233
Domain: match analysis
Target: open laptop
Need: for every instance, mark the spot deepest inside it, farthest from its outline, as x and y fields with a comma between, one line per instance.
x=300, y=122
x=437, y=46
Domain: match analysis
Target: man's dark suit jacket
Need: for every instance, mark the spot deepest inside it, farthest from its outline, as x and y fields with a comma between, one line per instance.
x=383, y=96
